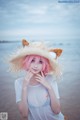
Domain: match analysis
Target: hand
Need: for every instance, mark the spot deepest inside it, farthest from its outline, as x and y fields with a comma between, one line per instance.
x=27, y=79
x=41, y=79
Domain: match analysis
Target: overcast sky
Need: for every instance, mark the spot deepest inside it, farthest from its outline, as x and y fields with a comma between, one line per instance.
x=39, y=19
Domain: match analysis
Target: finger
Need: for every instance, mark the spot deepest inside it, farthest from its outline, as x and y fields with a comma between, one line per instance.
x=38, y=80
x=38, y=75
x=42, y=74
x=28, y=76
x=30, y=73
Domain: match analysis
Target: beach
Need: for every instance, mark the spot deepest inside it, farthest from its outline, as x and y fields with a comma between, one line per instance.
x=69, y=86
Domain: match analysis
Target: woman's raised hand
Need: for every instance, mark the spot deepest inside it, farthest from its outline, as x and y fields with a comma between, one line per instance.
x=27, y=78
x=41, y=79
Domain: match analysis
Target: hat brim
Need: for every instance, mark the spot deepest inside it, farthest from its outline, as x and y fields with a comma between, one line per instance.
x=19, y=55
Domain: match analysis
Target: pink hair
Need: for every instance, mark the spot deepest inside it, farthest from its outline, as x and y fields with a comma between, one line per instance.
x=27, y=61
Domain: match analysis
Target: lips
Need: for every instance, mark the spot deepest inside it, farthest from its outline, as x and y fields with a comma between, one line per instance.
x=35, y=69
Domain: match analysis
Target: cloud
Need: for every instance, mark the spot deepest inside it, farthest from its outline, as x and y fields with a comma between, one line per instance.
x=34, y=10
x=43, y=13
x=38, y=19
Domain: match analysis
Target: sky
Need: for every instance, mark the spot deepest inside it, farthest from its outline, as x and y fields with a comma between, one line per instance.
x=39, y=20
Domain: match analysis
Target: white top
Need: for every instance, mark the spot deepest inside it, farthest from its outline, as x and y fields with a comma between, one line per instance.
x=39, y=100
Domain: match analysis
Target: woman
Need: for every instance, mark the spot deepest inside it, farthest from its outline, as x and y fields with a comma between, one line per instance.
x=37, y=93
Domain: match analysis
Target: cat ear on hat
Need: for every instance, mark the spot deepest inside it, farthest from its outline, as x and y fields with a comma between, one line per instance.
x=57, y=51
x=25, y=42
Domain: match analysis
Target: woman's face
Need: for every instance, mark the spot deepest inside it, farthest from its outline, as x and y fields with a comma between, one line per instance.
x=36, y=65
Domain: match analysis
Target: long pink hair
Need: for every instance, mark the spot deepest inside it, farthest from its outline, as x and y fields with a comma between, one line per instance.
x=45, y=65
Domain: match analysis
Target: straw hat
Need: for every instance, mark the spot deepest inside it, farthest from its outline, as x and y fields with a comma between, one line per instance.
x=34, y=48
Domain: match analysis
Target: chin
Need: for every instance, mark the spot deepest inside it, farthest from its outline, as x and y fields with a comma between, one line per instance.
x=35, y=72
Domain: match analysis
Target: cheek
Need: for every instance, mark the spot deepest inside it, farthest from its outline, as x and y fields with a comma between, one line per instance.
x=32, y=64
x=40, y=66
x=43, y=67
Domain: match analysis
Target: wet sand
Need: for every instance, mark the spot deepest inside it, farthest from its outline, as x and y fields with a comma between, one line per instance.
x=70, y=91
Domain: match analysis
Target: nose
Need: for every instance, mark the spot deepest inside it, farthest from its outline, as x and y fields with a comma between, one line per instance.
x=35, y=65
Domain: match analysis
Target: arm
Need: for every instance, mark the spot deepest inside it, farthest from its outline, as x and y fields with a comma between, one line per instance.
x=23, y=104
x=55, y=105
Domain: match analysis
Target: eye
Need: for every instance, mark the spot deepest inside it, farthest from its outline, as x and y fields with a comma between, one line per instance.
x=41, y=61
x=33, y=60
